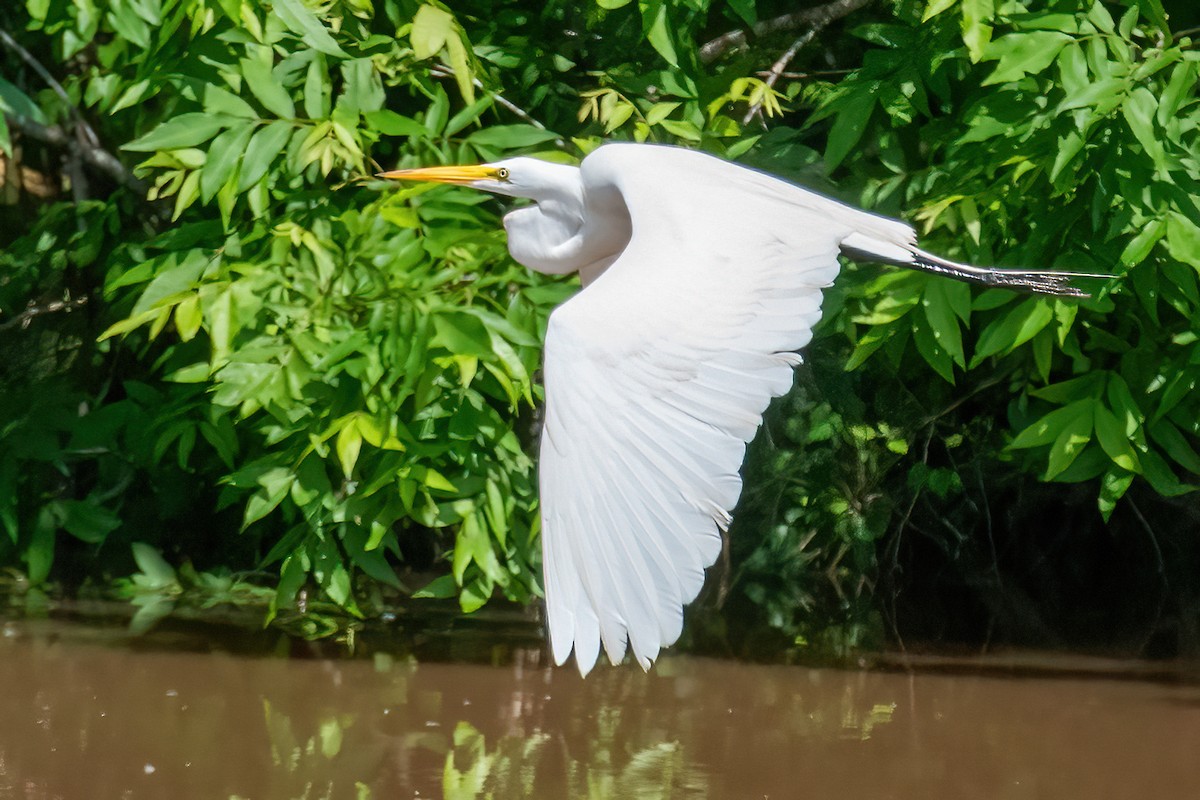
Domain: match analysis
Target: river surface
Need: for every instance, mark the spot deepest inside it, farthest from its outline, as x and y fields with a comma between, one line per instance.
x=86, y=715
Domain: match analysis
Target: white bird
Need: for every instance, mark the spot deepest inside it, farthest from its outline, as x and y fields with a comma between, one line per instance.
x=702, y=279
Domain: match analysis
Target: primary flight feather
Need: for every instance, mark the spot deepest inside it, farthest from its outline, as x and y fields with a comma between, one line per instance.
x=702, y=279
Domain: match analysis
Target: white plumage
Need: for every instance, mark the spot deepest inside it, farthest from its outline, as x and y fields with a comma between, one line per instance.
x=702, y=280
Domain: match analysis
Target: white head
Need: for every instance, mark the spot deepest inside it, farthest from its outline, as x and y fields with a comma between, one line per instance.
x=561, y=232
x=515, y=177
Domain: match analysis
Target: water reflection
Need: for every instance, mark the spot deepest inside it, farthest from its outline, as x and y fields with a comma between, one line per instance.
x=82, y=720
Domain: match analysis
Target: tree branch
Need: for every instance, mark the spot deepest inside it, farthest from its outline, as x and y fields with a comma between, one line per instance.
x=22, y=320
x=818, y=18
x=777, y=69
x=440, y=71
x=94, y=156
x=12, y=44
x=82, y=144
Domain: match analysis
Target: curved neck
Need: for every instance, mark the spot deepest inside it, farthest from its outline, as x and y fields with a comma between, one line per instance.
x=569, y=230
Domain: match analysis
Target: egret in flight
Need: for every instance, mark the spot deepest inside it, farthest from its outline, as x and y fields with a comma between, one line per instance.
x=701, y=281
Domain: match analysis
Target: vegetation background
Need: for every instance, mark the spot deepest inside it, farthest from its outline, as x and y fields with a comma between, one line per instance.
x=236, y=368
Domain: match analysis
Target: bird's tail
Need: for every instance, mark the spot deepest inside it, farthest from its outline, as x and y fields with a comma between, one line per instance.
x=902, y=251
x=1037, y=281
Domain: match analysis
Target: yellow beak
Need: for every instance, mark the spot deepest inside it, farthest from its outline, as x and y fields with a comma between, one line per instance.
x=456, y=175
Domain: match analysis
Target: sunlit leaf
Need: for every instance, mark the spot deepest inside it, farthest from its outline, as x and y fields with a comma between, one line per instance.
x=1052, y=425
x=223, y=157
x=301, y=21
x=1021, y=54
x=430, y=29
x=262, y=83
x=185, y=130
x=1073, y=435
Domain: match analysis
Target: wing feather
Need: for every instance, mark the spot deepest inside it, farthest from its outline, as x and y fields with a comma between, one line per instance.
x=657, y=375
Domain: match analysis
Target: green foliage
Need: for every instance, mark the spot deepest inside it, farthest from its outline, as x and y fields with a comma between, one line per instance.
x=1070, y=134
x=348, y=364
x=284, y=363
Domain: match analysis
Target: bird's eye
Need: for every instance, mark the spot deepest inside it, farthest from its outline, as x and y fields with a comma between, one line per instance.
x=502, y=173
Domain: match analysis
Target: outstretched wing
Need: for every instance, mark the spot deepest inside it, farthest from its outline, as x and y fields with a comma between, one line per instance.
x=657, y=375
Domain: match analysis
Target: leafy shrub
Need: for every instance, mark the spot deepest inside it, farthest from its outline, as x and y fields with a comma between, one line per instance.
x=276, y=342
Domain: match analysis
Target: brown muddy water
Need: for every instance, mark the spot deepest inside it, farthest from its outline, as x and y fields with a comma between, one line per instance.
x=85, y=715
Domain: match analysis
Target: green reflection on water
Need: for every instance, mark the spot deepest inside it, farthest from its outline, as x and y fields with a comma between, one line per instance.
x=604, y=738
x=513, y=766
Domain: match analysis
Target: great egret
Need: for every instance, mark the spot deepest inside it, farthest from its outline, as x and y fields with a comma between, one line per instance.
x=702, y=279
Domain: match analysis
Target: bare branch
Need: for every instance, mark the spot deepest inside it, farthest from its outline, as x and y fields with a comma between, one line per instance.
x=818, y=18
x=802, y=76
x=94, y=156
x=82, y=145
x=12, y=44
x=66, y=305
x=777, y=69
x=440, y=71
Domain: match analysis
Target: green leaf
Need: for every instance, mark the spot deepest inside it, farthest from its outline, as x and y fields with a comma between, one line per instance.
x=317, y=89
x=275, y=483
x=337, y=586
x=467, y=115
x=475, y=595
x=176, y=273
x=746, y=10
x=1183, y=239
x=39, y=555
x=657, y=29
x=1068, y=391
x=264, y=147
x=1153, y=10
x=189, y=318
x=456, y=54
x=221, y=101
x=188, y=192
x=462, y=334
x=935, y=7
x=349, y=443
x=1013, y=329
x=1160, y=476
x=15, y=101
x=943, y=320
x=1176, y=445
x=1139, y=109
x=185, y=130
x=1110, y=432
x=1072, y=437
x=223, y=155
x=390, y=123
x=430, y=29
x=87, y=521
x=976, y=32
x=158, y=573
x=848, y=127
x=1069, y=146
x=261, y=80
x=1051, y=426
x=1180, y=89
x=293, y=574
x=931, y=349
x=302, y=22
x=683, y=129
x=362, y=88
x=1025, y=53
x=439, y=588
x=510, y=137
x=1140, y=245
x=1113, y=486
